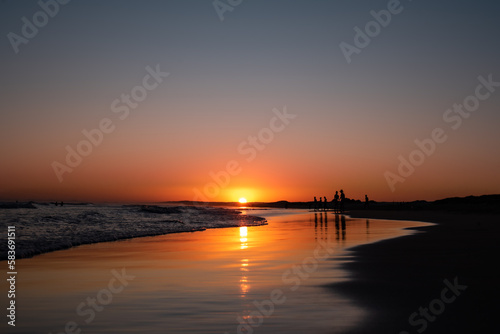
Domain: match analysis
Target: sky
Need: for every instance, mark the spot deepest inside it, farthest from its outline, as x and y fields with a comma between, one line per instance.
x=139, y=101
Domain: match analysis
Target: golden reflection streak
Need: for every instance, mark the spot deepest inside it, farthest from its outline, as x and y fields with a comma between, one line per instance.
x=243, y=237
x=244, y=283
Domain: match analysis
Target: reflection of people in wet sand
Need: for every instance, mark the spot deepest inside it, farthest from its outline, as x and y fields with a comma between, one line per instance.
x=342, y=200
x=342, y=221
x=326, y=224
x=316, y=226
x=337, y=226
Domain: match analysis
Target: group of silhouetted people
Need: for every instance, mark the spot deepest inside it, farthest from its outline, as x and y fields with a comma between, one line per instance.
x=320, y=205
x=338, y=202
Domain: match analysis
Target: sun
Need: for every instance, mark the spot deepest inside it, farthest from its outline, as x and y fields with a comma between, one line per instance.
x=242, y=200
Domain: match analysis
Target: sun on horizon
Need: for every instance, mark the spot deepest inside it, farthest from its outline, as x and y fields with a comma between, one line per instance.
x=242, y=200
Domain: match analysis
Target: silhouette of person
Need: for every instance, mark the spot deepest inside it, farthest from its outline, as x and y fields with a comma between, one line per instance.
x=336, y=202
x=342, y=200
x=315, y=203
x=320, y=203
x=324, y=203
x=367, y=202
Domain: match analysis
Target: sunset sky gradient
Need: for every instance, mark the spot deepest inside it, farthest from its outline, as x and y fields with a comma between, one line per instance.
x=225, y=79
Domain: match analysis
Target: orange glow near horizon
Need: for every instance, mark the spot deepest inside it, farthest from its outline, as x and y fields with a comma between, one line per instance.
x=110, y=177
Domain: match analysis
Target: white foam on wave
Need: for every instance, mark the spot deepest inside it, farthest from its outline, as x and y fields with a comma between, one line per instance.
x=50, y=228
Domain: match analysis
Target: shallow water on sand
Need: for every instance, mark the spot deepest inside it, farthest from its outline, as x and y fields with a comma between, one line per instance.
x=261, y=279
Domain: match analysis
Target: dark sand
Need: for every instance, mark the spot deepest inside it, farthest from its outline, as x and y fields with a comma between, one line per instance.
x=393, y=278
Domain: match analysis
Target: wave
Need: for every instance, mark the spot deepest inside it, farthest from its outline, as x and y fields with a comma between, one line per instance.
x=51, y=228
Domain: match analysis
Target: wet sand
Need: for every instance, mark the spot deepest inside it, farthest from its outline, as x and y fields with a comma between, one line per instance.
x=201, y=282
x=395, y=277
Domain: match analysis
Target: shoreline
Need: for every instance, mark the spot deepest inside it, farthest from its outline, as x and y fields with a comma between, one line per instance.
x=261, y=219
x=108, y=229
x=394, y=278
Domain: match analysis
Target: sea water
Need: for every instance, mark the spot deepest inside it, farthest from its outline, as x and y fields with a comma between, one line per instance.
x=47, y=227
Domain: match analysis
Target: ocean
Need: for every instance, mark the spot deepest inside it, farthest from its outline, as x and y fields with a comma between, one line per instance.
x=49, y=227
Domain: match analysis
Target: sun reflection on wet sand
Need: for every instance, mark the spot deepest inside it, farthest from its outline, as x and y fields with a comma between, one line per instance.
x=244, y=282
x=243, y=237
